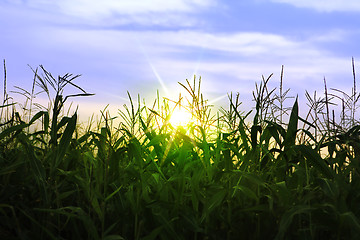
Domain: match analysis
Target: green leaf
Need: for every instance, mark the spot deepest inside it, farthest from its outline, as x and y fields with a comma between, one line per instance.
x=255, y=129
x=36, y=116
x=65, y=139
x=37, y=166
x=113, y=237
x=12, y=129
x=276, y=131
x=292, y=126
x=350, y=221
x=216, y=200
x=248, y=192
x=329, y=187
x=46, y=122
x=287, y=219
x=113, y=193
x=315, y=160
x=154, y=234
x=50, y=235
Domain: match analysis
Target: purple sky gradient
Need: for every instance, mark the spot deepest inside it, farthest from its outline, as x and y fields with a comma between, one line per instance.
x=142, y=46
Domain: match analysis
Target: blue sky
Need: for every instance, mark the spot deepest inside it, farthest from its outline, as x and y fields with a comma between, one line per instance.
x=141, y=45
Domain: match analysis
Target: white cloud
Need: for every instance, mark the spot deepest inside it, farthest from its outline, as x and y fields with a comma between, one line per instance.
x=325, y=5
x=130, y=7
x=335, y=35
x=115, y=12
x=244, y=44
x=242, y=58
x=95, y=7
x=243, y=55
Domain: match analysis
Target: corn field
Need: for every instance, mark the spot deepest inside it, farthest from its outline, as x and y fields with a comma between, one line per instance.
x=265, y=174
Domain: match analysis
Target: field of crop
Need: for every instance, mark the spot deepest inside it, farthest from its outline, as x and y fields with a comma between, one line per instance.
x=268, y=174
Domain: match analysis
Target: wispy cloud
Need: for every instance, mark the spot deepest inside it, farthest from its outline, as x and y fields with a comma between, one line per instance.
x=240, y=58
x=159, y=59
x=325, y=5
x=114, y=12
x=238, y=44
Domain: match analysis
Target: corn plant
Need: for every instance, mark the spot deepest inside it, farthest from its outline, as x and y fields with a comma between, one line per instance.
x=264, y=174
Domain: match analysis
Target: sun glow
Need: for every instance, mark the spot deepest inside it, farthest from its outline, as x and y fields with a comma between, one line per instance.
x=180, y=117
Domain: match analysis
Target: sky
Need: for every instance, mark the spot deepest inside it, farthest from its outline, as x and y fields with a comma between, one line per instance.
x=142, y=46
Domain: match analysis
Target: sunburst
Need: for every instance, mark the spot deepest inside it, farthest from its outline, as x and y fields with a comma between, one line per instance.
x=180, y=116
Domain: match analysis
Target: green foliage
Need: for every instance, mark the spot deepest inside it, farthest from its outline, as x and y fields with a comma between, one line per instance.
x=220, y=177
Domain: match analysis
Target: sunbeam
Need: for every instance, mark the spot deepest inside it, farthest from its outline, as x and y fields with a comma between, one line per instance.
x=158, y=77
x=217, y=99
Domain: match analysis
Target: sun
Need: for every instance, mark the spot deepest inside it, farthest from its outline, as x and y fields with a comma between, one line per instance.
x=180, y=117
